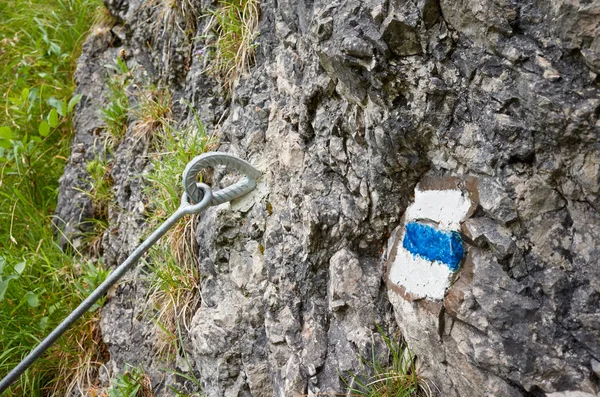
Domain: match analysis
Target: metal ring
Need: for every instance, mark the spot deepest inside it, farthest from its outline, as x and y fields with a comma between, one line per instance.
x=207, y=196
x=213, y=159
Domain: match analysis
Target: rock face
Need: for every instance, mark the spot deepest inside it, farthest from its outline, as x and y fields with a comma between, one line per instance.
x=349, y=106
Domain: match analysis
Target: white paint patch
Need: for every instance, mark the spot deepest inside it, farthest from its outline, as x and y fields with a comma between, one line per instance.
x=447, y=208
x=422, y=278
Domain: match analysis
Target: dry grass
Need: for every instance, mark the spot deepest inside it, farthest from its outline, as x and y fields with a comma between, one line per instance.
x=176, y=284
x=79, y=365
x=170, y=18
x=103, y=18
x=153, y=113
x=173, y=14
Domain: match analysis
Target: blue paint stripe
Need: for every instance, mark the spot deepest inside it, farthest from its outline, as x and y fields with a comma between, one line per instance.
x=434, y=245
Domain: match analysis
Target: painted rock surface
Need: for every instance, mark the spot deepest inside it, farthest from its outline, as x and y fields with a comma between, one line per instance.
x=429, y=248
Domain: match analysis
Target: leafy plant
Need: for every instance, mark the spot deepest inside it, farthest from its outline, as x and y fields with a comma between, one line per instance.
x=231, y=51
x=92, y=275
x=393, y=376
x=23, y=146
x=132, y=383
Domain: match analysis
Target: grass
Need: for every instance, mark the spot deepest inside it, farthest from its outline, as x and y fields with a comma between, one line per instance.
x=101, y=183
x=392, y=376
x=233, y=30
x=115, y=113
x=173, y=14
x=174, y=290
x=174, y=275
x=104, y=19
x=190, y=378
x=100, y=192
x=169, y=19
x=152, y=112
x=175, y=278
x=40, y=42
x=171, y=262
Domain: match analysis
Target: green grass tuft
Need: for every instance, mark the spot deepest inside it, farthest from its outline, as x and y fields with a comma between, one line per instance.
x=101, y=188
x=116, y=112
x=392, y=376
x=233, y=28
x=172, y=261
x=152, y=113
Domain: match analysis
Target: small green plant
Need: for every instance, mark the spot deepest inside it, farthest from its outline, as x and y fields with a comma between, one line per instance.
x=234, y=24
x=174, y=150
x=101, y=186
x=92, y=275
x=393, y=376
x=132, y=383
x=101, y=195
x=150, y=109
x=116, y=111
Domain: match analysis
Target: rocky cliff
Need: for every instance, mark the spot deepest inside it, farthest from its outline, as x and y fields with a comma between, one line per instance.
x=352, y=110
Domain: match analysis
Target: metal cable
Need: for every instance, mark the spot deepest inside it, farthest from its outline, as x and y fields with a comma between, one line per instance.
x=201, y=196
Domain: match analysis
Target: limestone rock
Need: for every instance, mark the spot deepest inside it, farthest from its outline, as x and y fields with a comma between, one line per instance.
x=349, y=106
x=401, y=37
x=483, y=231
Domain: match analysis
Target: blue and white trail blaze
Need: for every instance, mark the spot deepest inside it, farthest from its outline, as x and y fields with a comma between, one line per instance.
x=431, y=247
x=434, y=245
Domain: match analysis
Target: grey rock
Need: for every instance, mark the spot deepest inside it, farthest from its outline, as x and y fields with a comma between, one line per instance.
x=323, y=28
x=401, y=37
x=430, y=12
x=535, y=197
x=596, y=367
x=348, y=106
x=592, y=59
x=586, y=173
x=481, y=21
x=495, y=201
x=483, y=231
